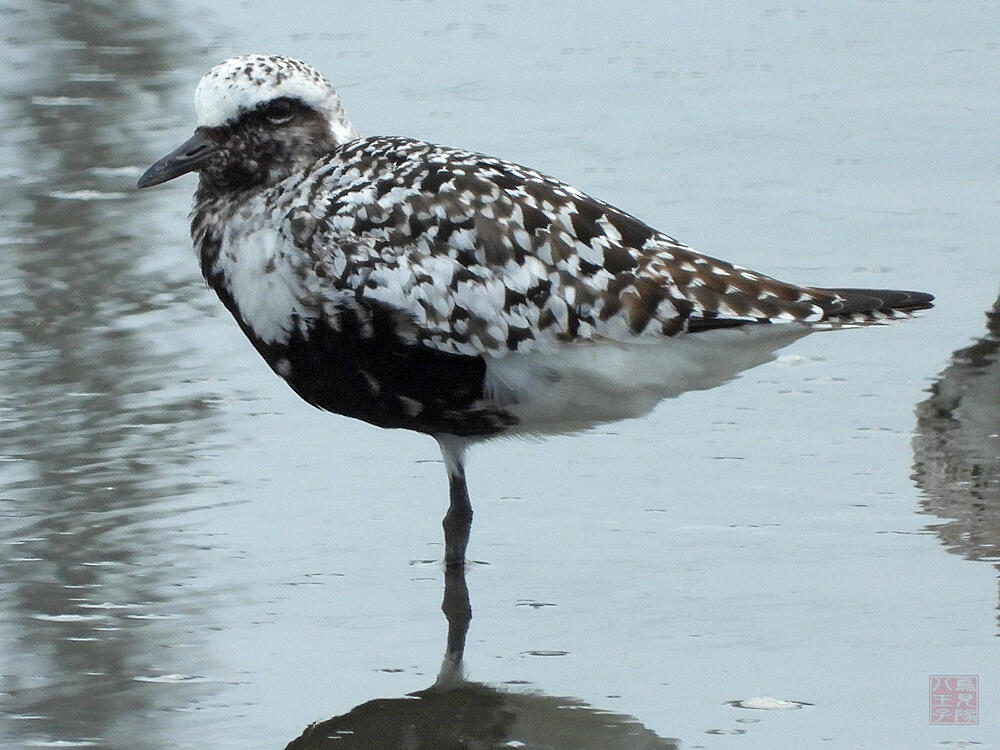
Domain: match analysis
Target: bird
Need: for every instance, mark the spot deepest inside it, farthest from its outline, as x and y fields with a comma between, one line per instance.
x=417, y=286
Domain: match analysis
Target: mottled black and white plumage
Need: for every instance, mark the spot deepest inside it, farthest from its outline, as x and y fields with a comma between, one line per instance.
x=439, y=290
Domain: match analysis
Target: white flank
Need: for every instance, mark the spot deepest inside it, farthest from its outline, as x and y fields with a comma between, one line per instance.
x=579, y=385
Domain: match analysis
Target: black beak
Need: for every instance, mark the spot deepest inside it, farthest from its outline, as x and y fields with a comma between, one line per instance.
x=187, y=157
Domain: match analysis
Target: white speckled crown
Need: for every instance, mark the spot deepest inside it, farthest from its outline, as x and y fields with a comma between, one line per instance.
x=239, y=84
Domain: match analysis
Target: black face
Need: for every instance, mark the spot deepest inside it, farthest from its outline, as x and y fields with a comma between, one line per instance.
x=264, y=146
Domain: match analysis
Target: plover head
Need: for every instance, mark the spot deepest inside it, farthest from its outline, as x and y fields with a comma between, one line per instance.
x=260, y=119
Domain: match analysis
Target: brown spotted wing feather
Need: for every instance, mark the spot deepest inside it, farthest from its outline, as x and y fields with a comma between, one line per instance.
x=488, y=257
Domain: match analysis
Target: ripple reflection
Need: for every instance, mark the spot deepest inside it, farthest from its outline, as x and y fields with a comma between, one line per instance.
x=957, y=449
x=95, y=429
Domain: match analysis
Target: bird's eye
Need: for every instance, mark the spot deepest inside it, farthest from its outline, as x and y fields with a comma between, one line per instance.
x=279, y=111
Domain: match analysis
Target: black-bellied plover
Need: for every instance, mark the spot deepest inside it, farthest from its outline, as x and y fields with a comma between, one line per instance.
x=451, y=293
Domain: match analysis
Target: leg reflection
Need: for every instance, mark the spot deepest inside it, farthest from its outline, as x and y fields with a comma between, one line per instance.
x=458, y=612
x=455, y=713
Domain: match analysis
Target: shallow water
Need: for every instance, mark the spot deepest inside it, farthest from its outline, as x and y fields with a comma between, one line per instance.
x=193, y=558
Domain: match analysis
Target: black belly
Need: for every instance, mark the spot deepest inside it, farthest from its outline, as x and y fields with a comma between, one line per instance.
x=369, y=373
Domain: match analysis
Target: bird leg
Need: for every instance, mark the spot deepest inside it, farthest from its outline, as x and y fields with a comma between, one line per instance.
x=457, y=521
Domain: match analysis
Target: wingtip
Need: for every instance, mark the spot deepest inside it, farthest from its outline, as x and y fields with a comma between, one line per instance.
x=880, y=300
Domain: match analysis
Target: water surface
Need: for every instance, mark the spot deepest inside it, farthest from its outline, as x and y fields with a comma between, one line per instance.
x=193, y=558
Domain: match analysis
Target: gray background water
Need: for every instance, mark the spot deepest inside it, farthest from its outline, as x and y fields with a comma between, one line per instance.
x=192, y=558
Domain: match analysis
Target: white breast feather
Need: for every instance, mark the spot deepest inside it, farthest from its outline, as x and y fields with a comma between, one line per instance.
x=256, y=264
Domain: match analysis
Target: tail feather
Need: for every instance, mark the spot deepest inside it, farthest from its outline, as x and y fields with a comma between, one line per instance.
x=860, y=306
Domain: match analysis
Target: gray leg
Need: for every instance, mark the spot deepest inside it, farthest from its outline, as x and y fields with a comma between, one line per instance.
x=458, y=520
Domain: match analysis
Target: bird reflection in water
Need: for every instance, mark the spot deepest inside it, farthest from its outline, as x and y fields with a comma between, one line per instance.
x=454, y=713
x=956, y=450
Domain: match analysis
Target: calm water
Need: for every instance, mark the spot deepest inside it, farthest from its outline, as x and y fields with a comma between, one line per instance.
x=191, y=558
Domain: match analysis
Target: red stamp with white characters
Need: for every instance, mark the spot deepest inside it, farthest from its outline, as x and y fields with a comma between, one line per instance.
x=954, y=699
